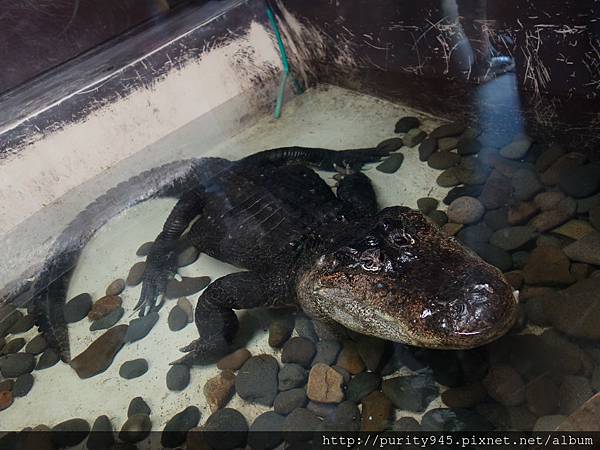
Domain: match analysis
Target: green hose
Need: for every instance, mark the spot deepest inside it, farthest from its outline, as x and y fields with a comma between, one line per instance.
x=286, y=66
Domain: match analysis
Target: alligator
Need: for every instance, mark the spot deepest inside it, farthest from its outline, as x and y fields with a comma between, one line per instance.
x=348, y=264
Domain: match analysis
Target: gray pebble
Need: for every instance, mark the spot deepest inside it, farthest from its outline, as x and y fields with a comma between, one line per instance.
x=448, y=129
x=136, y=273
x=10, y=316
x=186, y=307
x=178, y=319
x=144, y=249
x=448, y=143
x=493, y=255
x=440, y=218
x=78, y=307
x=468, y=146
x=406, y=123
x=513, y=237
x=465, y=210
x=176, y=428
x=291, y=376
x=287, y=401
x=187, y=256
x=133, y=369
x=116, y=287
x=346, y=417
x=445, y=419
x=391, y=145
x=443, y=160
x=23, y=385
x=410, y=393
x=136, y=428
x=178, y=377
x=226, y=428
x=405, y=424
x=257, y=380
x=187, y=286
x=427, y=204
x=427, y=148
x=140, y=327
x=101, y=437
x=13, y=346
x=107, y=321
x=362, y=385
x=16, y=364
x=298, y=350
x=37, y=345
x=327, y=352
x=48, y=359
x=391, y=164
x=138, y=406
x=265, y=431
x=517, y=149
x=70, y=432
x=305, y=328
x=22, y=325
x=324, y=410
x=300, y=419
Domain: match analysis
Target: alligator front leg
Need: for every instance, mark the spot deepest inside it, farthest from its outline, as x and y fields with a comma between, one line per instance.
x=217, y=322
x=161, y=262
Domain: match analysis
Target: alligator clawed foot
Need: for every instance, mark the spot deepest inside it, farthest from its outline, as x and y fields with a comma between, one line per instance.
x=203, y=351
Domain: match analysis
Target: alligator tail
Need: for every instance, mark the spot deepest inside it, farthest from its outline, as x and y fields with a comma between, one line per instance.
x=48, y=289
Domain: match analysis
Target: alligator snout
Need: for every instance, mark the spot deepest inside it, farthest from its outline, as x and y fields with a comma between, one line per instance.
x=408, y=282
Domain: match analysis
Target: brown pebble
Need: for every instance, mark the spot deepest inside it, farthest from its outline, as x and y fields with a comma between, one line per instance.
x=349, y=359
x=234, y=360
x=136, y=273
x=547, y=265
x=452, y=228
x=467, y=396
x=116, y=287
x=514, y=278
x=324, y=384
x=100, y=354
x=521, y=212
x=585, y=418
x=376, y=412
x=219, y=390
x=505, y=385
x=103, y=306
x=6, y=399
x=187, y=308
x=580, y=271
x=574, y=229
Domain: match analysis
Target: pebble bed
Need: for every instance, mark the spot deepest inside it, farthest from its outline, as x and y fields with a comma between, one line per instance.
x=532, y=210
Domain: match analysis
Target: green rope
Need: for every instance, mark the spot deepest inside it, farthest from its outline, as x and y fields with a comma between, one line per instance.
x=286, y=66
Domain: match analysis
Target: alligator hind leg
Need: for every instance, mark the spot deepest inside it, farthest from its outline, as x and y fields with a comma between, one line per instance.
x=161, y=263
x=217, y=322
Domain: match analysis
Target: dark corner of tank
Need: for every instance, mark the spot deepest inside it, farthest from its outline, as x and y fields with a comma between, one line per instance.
x=289, y=224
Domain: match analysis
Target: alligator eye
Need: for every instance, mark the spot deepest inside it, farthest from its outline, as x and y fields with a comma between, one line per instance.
x=400, y=238
x=371, y=260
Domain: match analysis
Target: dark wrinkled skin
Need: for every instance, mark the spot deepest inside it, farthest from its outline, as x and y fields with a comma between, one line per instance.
x=387, y=273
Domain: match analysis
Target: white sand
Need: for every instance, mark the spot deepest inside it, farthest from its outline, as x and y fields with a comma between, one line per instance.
x=327, y=117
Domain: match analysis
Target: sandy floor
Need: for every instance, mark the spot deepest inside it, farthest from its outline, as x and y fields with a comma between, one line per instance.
x=328, y=117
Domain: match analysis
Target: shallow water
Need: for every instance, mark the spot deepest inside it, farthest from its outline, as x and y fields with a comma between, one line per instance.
x=329, y=118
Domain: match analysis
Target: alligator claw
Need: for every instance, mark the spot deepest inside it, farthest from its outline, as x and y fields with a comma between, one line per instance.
x=203, y=351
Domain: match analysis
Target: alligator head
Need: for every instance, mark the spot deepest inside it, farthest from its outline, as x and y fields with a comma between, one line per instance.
x=404, y=280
